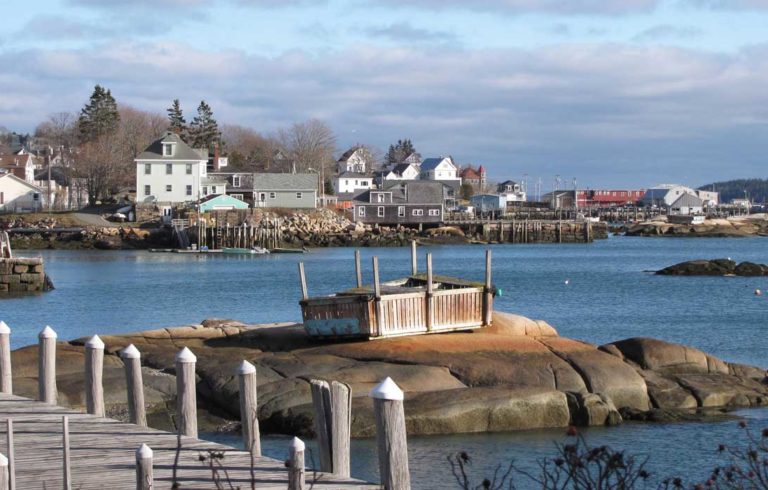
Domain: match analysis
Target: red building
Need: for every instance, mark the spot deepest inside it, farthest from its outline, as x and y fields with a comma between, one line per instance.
x=599, y=198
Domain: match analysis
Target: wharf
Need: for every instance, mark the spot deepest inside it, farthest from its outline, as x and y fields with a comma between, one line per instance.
x=102, y=454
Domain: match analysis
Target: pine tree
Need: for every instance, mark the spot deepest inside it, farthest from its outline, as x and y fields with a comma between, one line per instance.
x=398, y=152
x=99, y=117
x=204, y=131
x=176, y=118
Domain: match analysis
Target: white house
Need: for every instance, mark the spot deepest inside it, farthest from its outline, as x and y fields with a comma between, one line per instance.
x=170, y=171
x=687, y=204
x=665, y=195
x=357, y=159
x=22, y=165
x=17, y=195
x=402, y=171
x=442, y=169
x=352, y=182
x=710, y=198
x=512, y=191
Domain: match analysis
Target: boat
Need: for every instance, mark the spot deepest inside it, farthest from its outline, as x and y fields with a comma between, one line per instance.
x=288, y=250
x=244, y=251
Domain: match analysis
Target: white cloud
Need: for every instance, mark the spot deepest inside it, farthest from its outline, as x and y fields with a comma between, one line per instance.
x=566, y=7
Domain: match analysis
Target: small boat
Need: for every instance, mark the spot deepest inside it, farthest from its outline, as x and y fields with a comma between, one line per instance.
x=245, y=251
x=288, y=250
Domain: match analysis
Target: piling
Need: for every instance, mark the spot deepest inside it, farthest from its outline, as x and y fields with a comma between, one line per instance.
x=391, y=439
x=488, y=293
x=66, y=453
x=94, y=365
x=47, y=366
x=144, y=470
x=296, y=472
x=430, y=304
x=332, y=403
x=414, y=259
x=186, y=393
x=11, y=458
x=303, y=278
x=134, y=384
x=358, y=270
x=246, y=374
x=6, y=374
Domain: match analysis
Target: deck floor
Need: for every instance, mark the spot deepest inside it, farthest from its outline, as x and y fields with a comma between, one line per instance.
x=103, y=454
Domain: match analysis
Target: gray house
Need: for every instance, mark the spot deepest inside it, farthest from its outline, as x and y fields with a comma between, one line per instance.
x=285, y=190
x=409, y=202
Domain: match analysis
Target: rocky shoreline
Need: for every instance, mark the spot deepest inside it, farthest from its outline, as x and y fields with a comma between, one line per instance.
x=517, y=374
x=715, y=267
x=745, y=226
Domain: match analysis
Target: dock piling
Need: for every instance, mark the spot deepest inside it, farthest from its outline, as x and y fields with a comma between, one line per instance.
x=488, y=296
x=135, y=385
x=358, y=270
x=11, y=458
x=414, y=259
x=303, y=278
x=144, y=470
x=391, y=439
x=66, y=453
x=47, y=366
x=246, y=374
x=296, y=472
x=333, y=421
x=186, y=393
x=94, y=365
x=6, y=374
x=429, y=305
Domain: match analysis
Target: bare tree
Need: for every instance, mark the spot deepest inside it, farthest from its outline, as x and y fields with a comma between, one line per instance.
x=309, y=146
x=248, y=150
x=59, y=131
x=100, y=166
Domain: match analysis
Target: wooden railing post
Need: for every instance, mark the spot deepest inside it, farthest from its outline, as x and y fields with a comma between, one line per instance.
x=144, y=470
x=333, y=408
x=377, y=297
x=66, y=454
x=303, y=277
x=391, y=439
x=47, y=366
x=135, y=385
x=414, y=259
x=5, y=478
x=296, y=473
x=429, y=306
x=94, y=365
x=6, y=374
x=186, y=393
x=488, y=296
x=246, y=374
x=321, y=401
x=11, y=457
x=358, y=270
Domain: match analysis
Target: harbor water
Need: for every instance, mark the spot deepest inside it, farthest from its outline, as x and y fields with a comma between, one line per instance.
x=597, y=292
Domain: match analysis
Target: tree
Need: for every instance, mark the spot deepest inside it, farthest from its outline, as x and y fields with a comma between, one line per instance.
x=467, y=191
x=398, y=152
x=247, y=149
x=176, y=118
x=309, y=144
x=59, y=131
x=99, y=117
x=204, y=130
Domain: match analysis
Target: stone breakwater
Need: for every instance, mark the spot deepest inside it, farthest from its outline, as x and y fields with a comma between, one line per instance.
x=21, y=275
x=91, y=237
x=517, y=374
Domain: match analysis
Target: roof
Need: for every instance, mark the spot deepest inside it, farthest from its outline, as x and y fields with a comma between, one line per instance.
x=287, y=182
x=59, y=175
x=183, y=150
x=417, y=191
x=470, y=173
x=508, y=182
x=432, y=163
x=400, y=168
x=688, y=201
x=21, y=181
x=10, y=160
x=219, y=196
x=348, y=154
x=354, y=175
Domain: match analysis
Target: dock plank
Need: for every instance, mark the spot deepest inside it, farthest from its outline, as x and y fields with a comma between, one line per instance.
x=103, y=454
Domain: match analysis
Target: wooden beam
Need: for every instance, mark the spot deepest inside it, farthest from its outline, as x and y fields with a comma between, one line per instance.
x=414, y=259
x=358, y=270
x=303, y=278
x=429, y=298
x=488, y=303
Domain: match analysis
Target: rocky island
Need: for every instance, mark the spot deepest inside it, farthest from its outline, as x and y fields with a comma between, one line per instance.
x=737, y=226
x=715, y=267
x=517, y=374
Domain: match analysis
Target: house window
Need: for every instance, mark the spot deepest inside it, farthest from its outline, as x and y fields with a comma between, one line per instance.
x=168, y=168
x=214, y=189
x=167, y=150
x=2, y=198
x=189, y=190
x=272, y=195
x=380, y=197
x=401, y=211
x=238, y=196
x=380, y=211
x=189, y=169
x=434, y=212
x=147, y=169
x=236, y=181
x=298, y=195
x=361, y=211
x=168, y=188
x=205, y=190
x=262, y=197
x=147, y=190
x=418, y=212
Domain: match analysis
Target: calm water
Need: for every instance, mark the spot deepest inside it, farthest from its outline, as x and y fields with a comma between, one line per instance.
x=609, y=296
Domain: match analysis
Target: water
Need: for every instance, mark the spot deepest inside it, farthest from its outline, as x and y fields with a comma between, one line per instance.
x=609, y=296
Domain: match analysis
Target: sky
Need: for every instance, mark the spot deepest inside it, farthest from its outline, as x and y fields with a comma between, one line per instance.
x=612, y=93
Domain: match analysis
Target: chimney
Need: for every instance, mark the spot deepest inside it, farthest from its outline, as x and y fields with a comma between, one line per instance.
x=216, y=157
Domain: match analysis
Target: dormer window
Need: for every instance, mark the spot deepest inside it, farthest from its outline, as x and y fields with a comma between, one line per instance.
x=168, y=149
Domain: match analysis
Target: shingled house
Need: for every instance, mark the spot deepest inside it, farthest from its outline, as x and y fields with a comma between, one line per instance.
x=414, y=202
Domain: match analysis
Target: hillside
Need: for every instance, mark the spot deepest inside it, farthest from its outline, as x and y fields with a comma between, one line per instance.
x=757, y=189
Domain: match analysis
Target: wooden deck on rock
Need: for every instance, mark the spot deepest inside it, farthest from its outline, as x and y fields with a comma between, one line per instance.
x=103, y=454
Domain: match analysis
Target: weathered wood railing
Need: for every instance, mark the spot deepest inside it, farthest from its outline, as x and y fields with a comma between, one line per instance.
x=332, y=402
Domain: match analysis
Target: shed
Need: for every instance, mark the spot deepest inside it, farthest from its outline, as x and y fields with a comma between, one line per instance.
x=221, y=202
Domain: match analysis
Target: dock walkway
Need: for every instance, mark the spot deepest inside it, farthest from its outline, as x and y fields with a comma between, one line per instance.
x=102, y=454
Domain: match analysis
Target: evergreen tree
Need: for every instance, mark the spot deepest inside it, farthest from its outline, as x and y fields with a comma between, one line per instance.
x=398, y=152
x=99, y=117
x=176, y=119
x=204, y=131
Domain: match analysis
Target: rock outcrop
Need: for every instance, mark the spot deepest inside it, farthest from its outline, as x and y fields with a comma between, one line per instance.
x=743, y=226
x=716, y=267
x=517, y=374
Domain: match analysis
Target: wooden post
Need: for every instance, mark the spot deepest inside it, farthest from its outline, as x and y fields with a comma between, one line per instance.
x=391, y=437
x=430, y=304
x=303, y=278
x=414, y=259
x=94, y=364
x=246, y=374
x=65, y=444
x=186, y=393
x=488, y=296
x=358, y=270
x=144, y=476
x=341, y=427
x=6, y=375
x=11, y=457
x=5, y=478
x=321, y=401
x=377, y=297
x=47, y=366
x=135, y=385
x=296, y=473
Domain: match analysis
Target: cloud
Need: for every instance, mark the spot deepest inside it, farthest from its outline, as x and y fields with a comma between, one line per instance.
x=728, y=4
x=565, y=7
x=404, y=32
x=667, y=32
x=54, y=27
x=608, y=114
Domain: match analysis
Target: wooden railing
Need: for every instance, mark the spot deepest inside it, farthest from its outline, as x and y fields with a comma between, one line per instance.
x=455, y=308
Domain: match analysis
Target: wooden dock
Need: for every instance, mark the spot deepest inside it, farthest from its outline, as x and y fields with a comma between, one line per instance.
x=102, y=454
